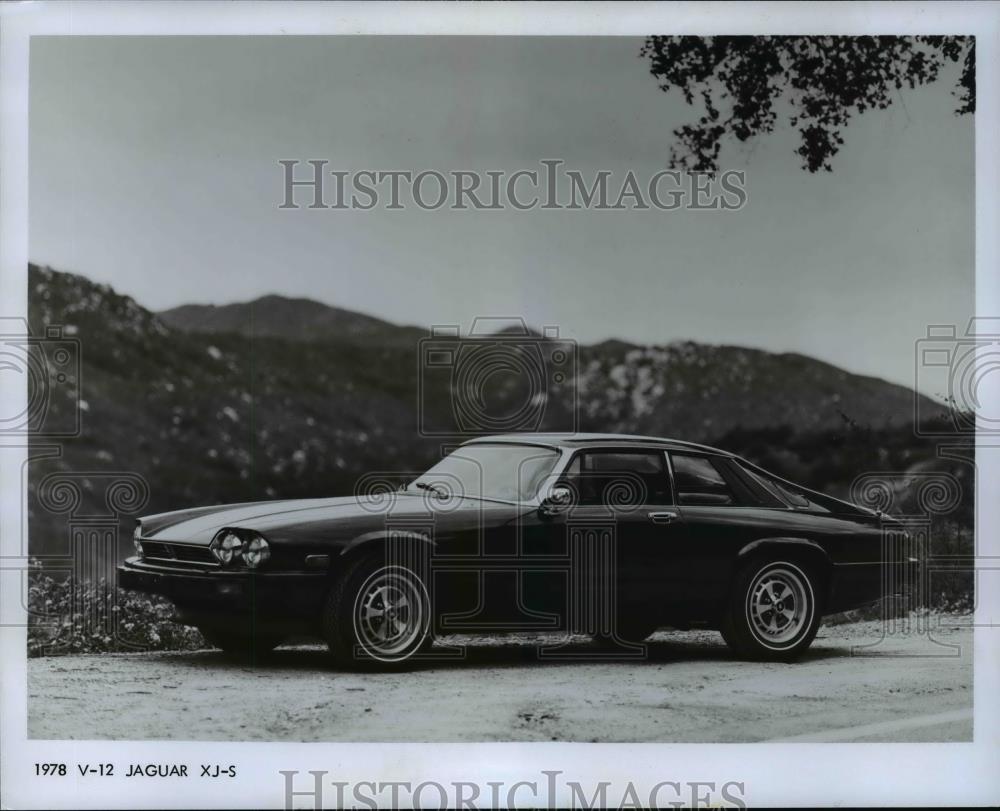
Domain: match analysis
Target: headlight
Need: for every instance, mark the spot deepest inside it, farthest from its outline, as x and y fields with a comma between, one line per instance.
x=137, y=540
x=255, y=551
x=226, y=546
x=233, y=546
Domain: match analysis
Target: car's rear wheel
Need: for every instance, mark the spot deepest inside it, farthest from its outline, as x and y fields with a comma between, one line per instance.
x=378, y=615
x=774, y=610
x=239, y=646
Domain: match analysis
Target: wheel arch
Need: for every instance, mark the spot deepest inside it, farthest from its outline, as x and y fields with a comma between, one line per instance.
x=379, y=541
x=797, y=549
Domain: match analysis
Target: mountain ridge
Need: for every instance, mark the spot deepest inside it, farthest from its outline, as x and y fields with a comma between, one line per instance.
x=620, y=384
x=235, y=317
x=289, y=317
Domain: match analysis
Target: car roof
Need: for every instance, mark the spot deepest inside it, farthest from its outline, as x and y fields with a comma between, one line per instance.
x=573, y=441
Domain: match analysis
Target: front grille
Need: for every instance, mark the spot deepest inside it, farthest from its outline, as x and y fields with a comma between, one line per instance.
x=178, y=553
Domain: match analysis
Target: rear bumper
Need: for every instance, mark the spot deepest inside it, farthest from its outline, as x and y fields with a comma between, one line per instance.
x=853, y=585
x=228, y=598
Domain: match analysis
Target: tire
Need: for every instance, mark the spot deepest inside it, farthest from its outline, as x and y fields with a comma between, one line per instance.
x=774, y=610
x=377, y=616
x=241, y=646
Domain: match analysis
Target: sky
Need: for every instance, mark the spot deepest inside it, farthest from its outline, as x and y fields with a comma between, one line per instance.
x=154, y=168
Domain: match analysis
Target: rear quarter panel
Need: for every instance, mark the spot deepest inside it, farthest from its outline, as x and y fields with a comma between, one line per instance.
x=715, y=539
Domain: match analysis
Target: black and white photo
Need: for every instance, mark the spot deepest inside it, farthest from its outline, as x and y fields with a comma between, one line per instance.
x=499, y=405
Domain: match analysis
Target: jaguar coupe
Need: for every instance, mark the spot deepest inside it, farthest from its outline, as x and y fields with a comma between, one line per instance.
x=607, y=535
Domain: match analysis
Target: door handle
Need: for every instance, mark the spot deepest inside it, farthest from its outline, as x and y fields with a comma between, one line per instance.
x=662, y=517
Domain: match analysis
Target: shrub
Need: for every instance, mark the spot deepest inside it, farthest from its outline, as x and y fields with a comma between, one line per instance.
x=99, y=618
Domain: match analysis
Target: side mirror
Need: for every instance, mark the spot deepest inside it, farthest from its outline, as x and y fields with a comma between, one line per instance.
x=556, y=499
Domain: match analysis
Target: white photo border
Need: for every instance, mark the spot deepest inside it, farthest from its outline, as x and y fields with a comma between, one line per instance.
x=773, y=774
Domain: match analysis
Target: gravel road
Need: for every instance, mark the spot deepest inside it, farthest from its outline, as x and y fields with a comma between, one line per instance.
x=914, y=686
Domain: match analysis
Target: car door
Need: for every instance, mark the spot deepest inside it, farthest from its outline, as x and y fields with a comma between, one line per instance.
x=619, y=530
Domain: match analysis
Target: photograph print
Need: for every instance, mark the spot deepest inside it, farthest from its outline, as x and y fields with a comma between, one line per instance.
x=591, y=389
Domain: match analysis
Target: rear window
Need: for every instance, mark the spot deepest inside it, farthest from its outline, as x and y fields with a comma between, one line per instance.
x=782, y=491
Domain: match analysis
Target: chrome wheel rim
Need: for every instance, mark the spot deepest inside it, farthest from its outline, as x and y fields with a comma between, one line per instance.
x=391, y=614
x=780, y=605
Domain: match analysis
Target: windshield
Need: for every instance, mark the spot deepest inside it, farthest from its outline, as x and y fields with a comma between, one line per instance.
x=504, y=472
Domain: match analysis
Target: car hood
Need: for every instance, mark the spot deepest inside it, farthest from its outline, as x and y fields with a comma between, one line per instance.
x=199, y=525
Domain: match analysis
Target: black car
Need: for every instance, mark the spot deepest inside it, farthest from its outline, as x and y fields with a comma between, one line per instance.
x=608, y=535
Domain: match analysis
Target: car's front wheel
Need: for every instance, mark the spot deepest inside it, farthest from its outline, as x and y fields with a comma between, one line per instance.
x=774, y=610
x=377, y=615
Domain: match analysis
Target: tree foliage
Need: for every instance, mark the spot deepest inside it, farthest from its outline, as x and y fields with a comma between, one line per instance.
x=823, y=80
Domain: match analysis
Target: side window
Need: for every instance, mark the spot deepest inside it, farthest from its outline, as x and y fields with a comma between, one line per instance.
x=699, y=481
x=620, y=478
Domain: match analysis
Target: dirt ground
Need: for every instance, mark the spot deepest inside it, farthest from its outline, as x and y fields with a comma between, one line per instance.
x=852, y=685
